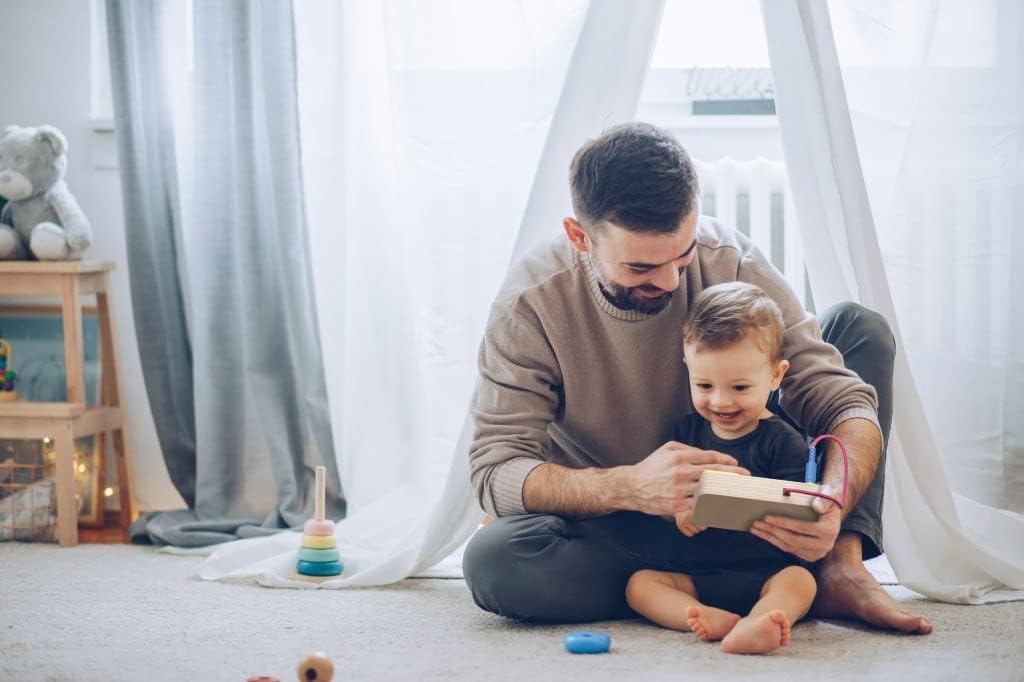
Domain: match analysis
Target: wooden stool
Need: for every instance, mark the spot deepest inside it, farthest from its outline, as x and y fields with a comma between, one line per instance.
x=64, y=422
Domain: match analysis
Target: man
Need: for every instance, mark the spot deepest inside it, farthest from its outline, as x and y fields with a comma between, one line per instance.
x=582, y=382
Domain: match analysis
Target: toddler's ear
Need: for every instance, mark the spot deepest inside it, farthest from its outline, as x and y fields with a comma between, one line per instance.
x=780, y=371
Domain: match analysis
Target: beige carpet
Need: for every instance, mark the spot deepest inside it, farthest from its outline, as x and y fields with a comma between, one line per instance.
x=112, y=612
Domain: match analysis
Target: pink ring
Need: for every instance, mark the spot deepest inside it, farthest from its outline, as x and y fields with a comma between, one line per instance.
x=314, y=527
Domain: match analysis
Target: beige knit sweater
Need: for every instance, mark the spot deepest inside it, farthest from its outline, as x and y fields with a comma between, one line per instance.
x=566, y=377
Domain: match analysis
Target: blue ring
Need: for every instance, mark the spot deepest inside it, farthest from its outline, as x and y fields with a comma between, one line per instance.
x=583, y=642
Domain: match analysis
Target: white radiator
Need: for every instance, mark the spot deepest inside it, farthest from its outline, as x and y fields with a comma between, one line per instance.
x=753, y=196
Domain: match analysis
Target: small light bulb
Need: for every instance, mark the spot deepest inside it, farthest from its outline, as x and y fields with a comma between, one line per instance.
x=108, y=491
x=81, y=468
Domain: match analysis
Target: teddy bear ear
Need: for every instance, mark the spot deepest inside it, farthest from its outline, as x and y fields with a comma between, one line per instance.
x=54, y=137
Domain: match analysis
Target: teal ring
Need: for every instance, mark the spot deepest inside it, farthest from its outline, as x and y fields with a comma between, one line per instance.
x=319, y=556
x=322, y=568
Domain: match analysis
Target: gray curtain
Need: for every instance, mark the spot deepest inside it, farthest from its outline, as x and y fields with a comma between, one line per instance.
x=238, y=392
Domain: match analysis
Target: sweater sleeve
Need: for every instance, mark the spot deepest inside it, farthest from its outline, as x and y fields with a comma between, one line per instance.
x=516, y=397
x=818, y=391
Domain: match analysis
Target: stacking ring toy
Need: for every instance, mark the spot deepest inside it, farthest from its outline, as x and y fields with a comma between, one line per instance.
x=318, y=556
x=582, y=642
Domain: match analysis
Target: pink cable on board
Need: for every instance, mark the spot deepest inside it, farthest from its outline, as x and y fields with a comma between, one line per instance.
x=846, y=472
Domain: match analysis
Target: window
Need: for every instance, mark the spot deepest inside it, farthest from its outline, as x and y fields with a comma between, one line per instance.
x=176, y=32
x=101, y=102
x=710, y=59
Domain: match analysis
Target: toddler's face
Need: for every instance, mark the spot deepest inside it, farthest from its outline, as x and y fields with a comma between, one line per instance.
x=730, y=386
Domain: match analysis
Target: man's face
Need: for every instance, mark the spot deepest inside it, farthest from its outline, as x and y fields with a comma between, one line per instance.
x=641, y=270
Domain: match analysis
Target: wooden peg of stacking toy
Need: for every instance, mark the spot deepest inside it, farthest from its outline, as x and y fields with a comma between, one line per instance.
x=318, y=555
x=316, y=668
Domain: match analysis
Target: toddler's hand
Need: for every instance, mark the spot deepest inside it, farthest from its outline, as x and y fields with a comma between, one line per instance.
x=685, y=524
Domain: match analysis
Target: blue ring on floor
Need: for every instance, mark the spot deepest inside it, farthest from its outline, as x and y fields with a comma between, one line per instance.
x=318, y=568
x=583, y=642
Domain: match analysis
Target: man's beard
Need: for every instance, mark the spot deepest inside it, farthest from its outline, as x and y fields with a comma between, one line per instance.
x=629, y=298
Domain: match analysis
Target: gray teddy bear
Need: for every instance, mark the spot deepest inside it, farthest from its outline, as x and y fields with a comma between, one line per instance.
x=41, y=218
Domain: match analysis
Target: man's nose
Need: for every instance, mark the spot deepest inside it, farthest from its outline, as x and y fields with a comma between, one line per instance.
x=667, y=277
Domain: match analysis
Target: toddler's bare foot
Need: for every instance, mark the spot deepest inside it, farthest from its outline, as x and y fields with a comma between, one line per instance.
x=709, y=623
x=758, y=635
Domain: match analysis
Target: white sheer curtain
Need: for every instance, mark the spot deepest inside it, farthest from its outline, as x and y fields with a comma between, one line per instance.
x=424, y=126
x=939, y=120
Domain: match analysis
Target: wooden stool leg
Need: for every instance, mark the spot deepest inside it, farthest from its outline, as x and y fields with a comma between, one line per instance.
x=101, y=473
x=111, y=391
x=124, y=478
x=67, y=510
x=74, y=348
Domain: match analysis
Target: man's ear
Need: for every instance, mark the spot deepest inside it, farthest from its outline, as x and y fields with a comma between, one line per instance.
x=576, y=234
x=780, y=371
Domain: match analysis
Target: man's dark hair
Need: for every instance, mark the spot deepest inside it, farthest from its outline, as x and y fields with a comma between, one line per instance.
x=636, y=176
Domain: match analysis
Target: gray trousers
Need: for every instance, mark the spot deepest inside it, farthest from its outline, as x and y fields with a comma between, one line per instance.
x=545, y=568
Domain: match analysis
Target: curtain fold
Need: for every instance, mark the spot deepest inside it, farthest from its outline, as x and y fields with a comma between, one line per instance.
x=461, y=150
x=149, y=177
x=256, y=379
x=602, y=88
x=940, y=544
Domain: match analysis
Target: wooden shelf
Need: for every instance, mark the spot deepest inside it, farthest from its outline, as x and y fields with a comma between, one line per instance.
x=27, y=409
x=31, y=267
x=38, y=420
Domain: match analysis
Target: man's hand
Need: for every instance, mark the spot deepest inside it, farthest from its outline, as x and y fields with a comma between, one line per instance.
x=808, y=540
x=685, y=524
x=664, y=483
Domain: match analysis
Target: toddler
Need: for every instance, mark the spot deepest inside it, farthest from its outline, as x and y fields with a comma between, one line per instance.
x=732, y=345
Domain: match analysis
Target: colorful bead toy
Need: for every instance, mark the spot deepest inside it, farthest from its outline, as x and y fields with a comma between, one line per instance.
x=318, y=555
x=8, y=377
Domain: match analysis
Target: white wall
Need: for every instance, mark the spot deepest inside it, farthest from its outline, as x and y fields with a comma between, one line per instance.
x=46, y=79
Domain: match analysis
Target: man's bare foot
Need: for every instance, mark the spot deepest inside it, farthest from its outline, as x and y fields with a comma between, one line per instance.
x=758, y=634
x=709, y=623
x=847, y=590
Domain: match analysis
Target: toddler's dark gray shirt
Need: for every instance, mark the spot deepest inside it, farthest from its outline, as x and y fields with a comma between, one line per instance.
x=773, y=450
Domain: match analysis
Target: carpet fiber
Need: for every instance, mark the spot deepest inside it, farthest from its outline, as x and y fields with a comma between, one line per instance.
x=115, y=612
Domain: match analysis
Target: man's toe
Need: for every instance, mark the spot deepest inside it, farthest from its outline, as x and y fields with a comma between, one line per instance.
x=888, y=616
